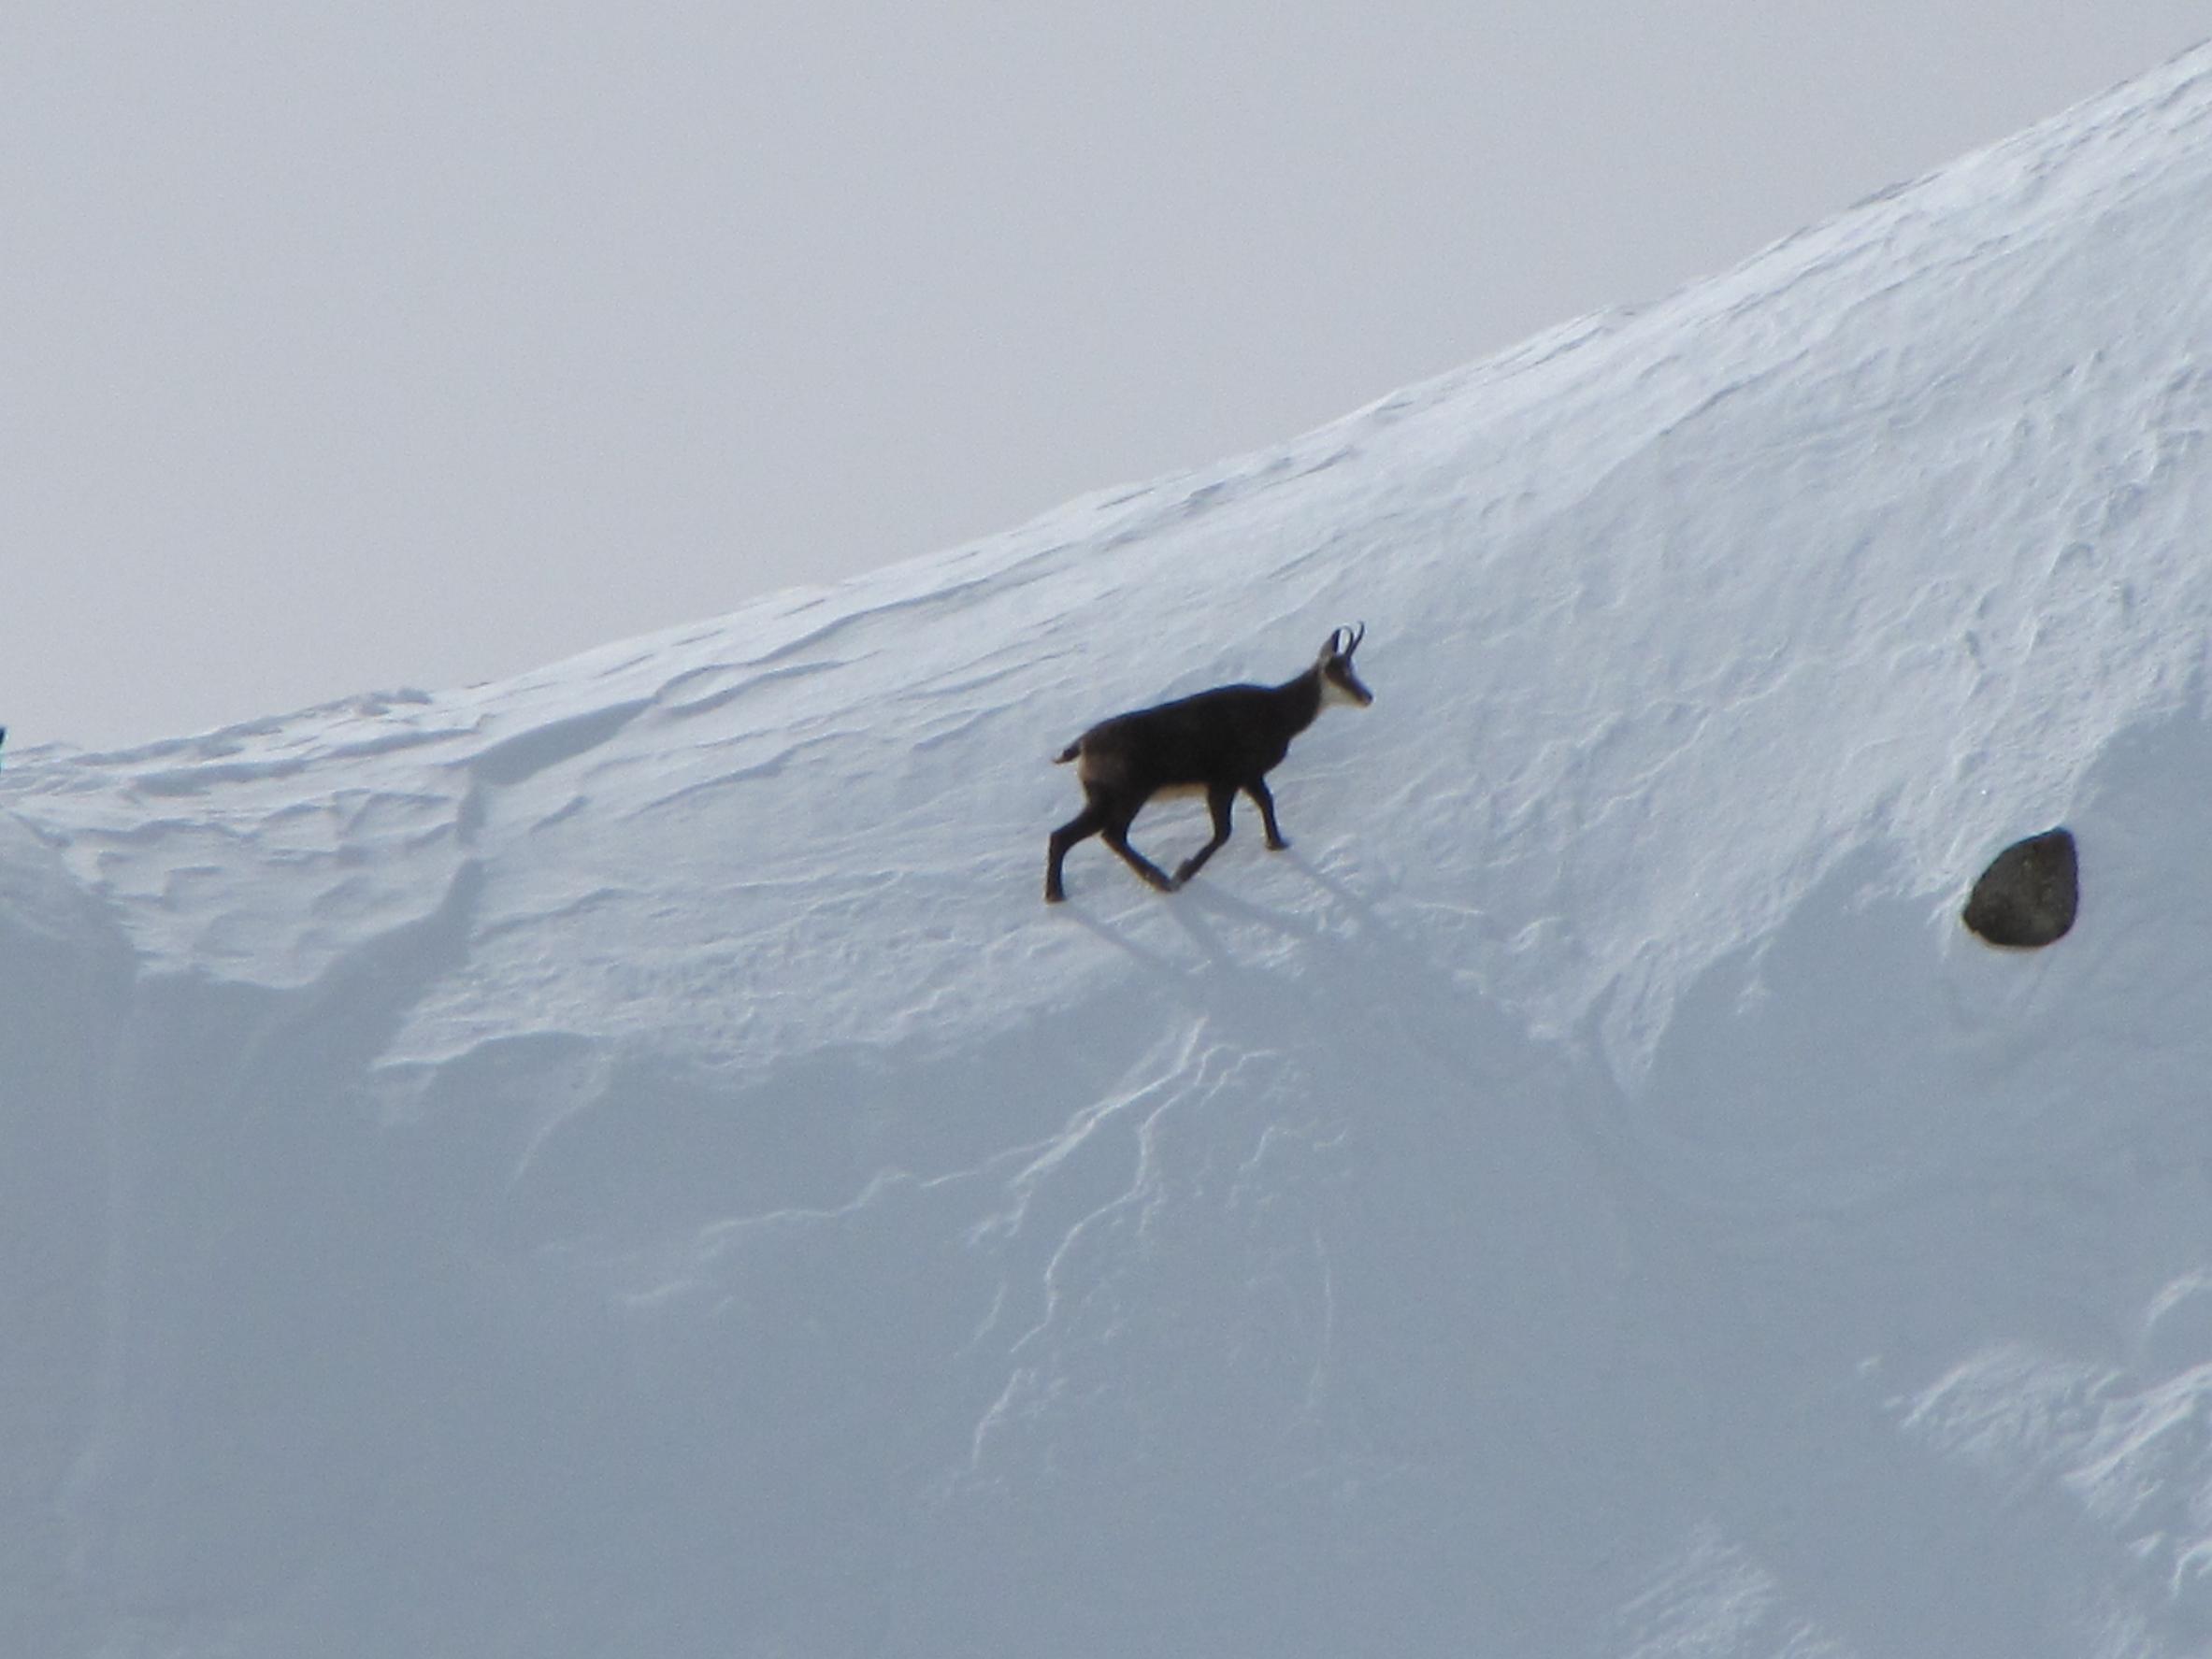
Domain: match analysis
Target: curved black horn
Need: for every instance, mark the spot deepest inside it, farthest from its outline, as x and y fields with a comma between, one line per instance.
x=1353, y=637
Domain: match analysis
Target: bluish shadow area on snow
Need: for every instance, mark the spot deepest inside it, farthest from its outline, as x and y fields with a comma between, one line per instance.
x=1290, y=1281
x=65, y=979
x=1872, y=1146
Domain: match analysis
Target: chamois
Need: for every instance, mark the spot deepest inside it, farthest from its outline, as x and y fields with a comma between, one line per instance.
x=1221, y=741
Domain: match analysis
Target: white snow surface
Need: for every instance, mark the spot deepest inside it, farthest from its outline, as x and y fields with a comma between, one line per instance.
x=623, y=1163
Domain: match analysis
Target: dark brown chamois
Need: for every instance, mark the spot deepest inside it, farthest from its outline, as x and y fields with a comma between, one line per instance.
x=1221, y=741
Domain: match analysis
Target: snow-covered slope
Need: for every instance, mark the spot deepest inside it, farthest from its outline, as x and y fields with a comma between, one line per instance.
x=623, y=1162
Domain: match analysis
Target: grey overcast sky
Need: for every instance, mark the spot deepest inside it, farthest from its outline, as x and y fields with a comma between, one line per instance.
x=357, y=346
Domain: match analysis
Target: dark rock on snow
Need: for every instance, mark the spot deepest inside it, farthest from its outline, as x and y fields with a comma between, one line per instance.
x=2029, y=893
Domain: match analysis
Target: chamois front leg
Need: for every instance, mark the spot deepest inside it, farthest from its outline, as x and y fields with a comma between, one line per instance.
x=1257, y=790
x=1218, y=800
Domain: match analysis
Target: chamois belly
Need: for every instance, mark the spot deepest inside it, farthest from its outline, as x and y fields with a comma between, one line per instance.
x=1110, y=772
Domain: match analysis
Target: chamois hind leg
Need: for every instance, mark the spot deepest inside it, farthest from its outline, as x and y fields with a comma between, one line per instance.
x=1217, y=802
x=1257, y=790
x=1115, y=833
x=1084, y=825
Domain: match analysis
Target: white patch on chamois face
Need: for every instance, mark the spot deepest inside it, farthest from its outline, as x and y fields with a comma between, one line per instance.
x=1339, y=684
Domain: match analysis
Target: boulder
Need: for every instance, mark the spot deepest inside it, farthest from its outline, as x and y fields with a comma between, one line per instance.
x=2028, y=895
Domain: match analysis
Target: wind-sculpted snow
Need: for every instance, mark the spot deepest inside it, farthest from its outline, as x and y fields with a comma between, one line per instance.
x=623, y=1162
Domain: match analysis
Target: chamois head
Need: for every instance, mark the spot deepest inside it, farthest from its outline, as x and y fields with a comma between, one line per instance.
x=1339, y=684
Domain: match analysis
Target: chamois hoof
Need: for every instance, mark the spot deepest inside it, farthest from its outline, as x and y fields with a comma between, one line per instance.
x=1278, y=846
